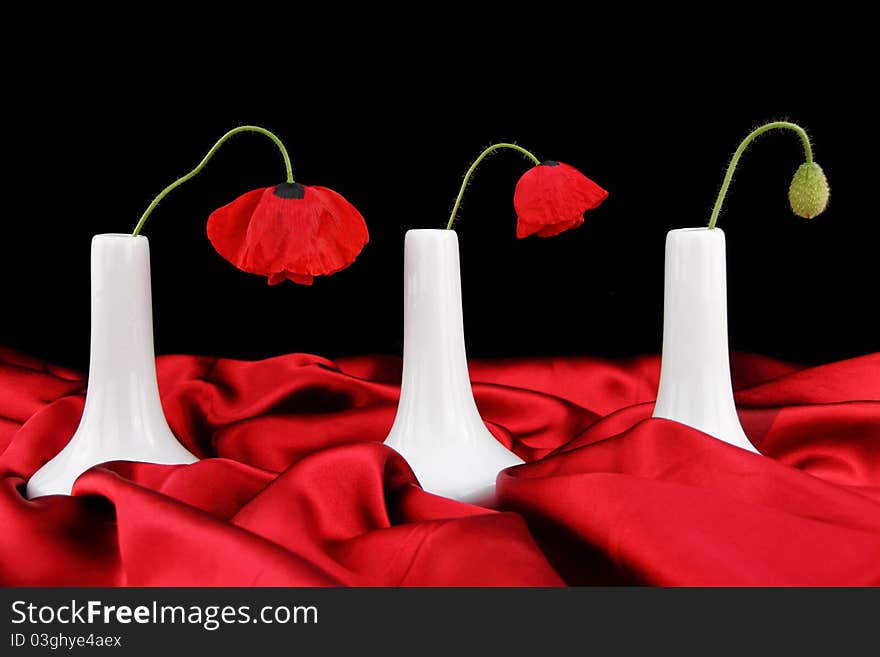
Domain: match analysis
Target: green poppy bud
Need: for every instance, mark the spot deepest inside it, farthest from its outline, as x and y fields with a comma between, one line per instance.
x=808, y=193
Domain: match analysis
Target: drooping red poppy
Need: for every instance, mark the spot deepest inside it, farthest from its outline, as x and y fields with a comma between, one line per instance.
x=289, y=232
x=552, y=197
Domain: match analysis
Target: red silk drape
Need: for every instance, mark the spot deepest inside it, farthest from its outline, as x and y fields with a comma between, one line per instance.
x=296, y=488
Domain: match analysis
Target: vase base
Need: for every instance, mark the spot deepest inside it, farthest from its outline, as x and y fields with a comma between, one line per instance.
x=461, y=470
x=732, y=435
x=58, y=476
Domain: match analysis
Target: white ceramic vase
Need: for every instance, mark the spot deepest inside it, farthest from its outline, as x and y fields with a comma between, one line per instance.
x=695, y=387
x=123, y=418
x=438, y=428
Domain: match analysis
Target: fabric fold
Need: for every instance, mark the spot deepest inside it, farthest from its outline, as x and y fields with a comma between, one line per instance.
x=295, y=488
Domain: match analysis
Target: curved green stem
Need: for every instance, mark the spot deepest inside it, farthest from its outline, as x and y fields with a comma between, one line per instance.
x=470, y=171
x=808, y=153
x=177, y=183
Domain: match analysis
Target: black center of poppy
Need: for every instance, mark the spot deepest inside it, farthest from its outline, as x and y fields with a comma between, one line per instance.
x=290, y=190
x=549, y=163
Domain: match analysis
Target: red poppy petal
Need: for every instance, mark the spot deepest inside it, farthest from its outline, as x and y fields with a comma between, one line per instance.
x=228, y=227
x=560, y=227
x=319, y=234
x=302, y=279
x=343, y=233
x=280, y=277
x=289, y=237
x=550, y=199
x=271, y=229
x=591, y=195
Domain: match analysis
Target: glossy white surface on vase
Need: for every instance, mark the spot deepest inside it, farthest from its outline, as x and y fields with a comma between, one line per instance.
x=438, y=428
x=122, y=419
x=695, y=387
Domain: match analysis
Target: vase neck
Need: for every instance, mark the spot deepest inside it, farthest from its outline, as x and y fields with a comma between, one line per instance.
x=121, y=351
x=695, y=386
x=434, y=354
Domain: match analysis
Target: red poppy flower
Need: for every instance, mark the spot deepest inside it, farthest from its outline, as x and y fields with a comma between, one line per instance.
x=289, y=232
x=552, y=197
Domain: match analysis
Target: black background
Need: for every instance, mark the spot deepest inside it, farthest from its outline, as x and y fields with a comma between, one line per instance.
x=90, y=148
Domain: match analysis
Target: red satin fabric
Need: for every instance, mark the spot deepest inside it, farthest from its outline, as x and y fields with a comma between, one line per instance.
x=296, y=488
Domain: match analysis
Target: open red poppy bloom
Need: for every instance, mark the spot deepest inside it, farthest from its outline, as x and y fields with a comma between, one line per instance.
x=289, y=232
x=552, y=197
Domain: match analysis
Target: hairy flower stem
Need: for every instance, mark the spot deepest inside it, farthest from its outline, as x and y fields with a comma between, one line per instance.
x=728, y=177
x=177, y=183
x=473, y=167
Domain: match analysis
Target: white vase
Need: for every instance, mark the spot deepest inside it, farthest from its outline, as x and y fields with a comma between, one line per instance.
x=122, y=419
x=695, y=387
x=438, y=428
